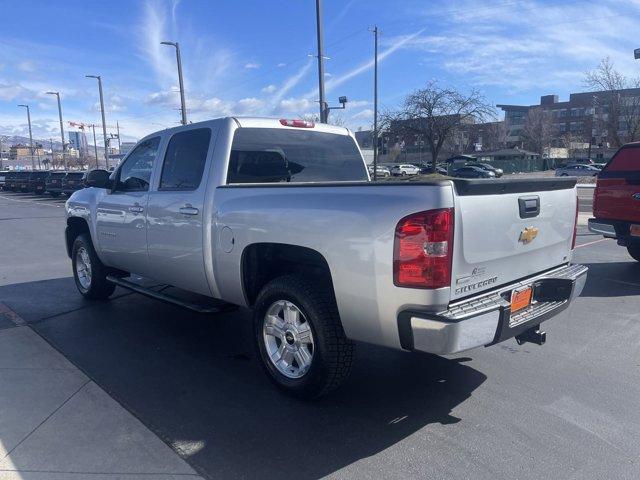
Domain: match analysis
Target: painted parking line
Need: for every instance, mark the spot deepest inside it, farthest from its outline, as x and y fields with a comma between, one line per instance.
x=591, y=243
x=30, y=201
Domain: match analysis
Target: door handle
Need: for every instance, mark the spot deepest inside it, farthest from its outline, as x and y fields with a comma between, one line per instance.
x=136, y=209
x=189, y=210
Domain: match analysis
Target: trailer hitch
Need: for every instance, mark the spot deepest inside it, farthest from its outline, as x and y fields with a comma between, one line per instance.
x=533, y=335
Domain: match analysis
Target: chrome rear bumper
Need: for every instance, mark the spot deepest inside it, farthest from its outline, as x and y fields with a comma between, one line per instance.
x=486, y=319
x=606, y=229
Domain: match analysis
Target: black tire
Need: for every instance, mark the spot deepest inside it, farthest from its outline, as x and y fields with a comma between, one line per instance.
x=634, y=251
x=54, y=194
x=97, y=288
x=333, y=352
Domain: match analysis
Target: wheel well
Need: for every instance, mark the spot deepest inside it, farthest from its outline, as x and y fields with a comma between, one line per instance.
x=262, y=262
x=75, y=226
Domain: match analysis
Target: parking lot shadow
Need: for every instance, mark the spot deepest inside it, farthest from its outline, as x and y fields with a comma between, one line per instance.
x=194, y=381
x=612, y=279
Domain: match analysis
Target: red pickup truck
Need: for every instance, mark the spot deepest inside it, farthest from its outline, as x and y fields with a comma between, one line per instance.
x=616, y=200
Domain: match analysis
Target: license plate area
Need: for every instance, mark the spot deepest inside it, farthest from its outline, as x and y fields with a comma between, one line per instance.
x=521, y=298
x=634, y=230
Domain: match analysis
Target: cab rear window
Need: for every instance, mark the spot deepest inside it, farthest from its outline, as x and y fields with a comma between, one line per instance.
x=272, y=155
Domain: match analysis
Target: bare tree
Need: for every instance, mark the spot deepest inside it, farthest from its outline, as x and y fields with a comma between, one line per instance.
x=538, y=130
x=620, y=112
x=435, y=113
x=494, y=135
x=337, y=120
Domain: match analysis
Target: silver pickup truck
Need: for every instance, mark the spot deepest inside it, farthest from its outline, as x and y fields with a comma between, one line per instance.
x=280, y=216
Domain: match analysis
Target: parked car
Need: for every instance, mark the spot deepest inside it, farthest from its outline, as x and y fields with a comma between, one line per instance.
x=279, y=216
x=381, y=171
x=616, y=199
x=37, y=181
x=425, y=169
x=469, y=171
x=599, y=166
x=53, y=183
x=22, y=182
x=577, y=170
x=489, y=168
x=72, y=181
x=3, y=179
x=404, y=169
x=10, y=180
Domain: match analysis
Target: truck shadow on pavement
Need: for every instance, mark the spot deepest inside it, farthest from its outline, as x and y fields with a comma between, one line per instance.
x=612, y=279
x=195, y=382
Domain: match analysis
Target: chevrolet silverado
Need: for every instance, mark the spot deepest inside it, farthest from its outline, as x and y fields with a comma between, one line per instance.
x=280, y=216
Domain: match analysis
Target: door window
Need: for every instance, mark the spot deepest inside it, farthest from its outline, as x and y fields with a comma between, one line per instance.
x=185, y=159
x=135, y=172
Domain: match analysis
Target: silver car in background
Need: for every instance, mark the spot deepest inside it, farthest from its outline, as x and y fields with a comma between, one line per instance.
x=577, y=170
x=404, y=169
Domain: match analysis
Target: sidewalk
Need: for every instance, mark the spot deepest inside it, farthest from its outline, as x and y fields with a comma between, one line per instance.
x=55, y=423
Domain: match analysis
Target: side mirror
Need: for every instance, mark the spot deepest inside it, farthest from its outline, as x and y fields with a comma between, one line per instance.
x=98, y=179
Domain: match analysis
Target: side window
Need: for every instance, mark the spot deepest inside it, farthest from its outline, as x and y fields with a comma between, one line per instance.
x=135, y=173
x=185, y=159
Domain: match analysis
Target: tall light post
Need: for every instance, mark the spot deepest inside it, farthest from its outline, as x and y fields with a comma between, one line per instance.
x=324, y=112
x=104, y=123
x=64, y=147
x=375, y=102
x=33, y=163
x=183, y=107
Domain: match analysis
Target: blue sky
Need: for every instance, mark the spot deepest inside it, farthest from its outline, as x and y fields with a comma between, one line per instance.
x=251, y=57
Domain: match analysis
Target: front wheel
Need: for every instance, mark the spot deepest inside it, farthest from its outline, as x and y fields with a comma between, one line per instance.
x=299, y=337
x=634, y=251
x=89, y=272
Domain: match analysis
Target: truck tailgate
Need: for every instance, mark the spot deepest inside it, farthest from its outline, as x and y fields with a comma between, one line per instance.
x=509, y=229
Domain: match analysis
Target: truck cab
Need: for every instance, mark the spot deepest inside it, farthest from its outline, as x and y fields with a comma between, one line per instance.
x=616, y=199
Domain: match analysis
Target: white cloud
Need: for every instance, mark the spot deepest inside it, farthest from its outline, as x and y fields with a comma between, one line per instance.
x=357, y=103
x=281, y=64
x=295, y=105
x=291, y=82
x=249, y=106
x=366, y=114
x=252, y=66
x=396, y=44
x=27, y=66
x=269, y=88
x=11, y=91
x=528, y=45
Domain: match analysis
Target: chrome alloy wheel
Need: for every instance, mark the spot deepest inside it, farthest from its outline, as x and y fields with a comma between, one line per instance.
x=83, y=268
x=288, y=339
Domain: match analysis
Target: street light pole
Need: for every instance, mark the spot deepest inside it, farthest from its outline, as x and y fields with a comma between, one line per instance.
x=64, y=147
x=183, y=107
x=33, y=163
x=104, y=123
x=324, y=112
x=95, y=144
x=375, y=103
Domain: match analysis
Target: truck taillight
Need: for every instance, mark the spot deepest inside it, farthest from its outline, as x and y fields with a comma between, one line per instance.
x=297, y=123
x=423, y=250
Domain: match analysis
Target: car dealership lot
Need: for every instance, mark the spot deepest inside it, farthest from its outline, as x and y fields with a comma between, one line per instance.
x=565, y=410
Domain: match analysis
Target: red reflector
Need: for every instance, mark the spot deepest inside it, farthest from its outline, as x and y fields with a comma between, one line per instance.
x=423, y=250
x=297, y=123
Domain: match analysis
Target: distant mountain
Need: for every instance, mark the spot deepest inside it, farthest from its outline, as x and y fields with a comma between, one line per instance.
x=11, y=140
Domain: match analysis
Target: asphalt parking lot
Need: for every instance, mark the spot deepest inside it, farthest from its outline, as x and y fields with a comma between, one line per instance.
x=566, y=410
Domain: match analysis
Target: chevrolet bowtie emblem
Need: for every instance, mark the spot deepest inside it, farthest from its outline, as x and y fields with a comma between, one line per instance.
x=528, y=234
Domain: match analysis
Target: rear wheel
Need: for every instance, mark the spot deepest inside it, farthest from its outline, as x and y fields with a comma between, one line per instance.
x=299, y=337
x=89, y=272
x=634, y=251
